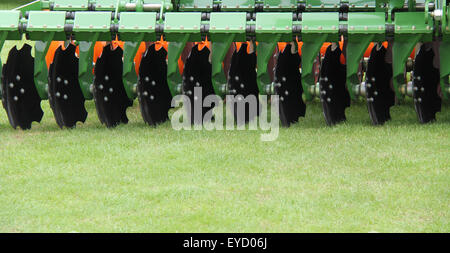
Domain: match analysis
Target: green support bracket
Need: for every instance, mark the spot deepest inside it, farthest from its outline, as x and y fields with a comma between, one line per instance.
x=393, y=5
x=44, y=27
x=196, y=5
x=361, y=5
x=317, y=29
x=40, y=66
x=173, y=73
x=265, y=50
x=42, y=23
x=87, y=24
x=271, y=28
x=179, y=29
x=129, y=75
x=219, y=50
x=225, y=28
x=363, y=28
x=63, y=5
x=85, y=67
x=356, y=46
x=322, y=5
x=280, y=5
x=410, y=28
x=137, y=26
x=238, y=5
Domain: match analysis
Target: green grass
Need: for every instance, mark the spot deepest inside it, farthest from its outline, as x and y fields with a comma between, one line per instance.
x=350, y=178
x=353, y=177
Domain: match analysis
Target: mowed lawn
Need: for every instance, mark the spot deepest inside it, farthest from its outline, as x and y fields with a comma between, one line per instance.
x=353, y=177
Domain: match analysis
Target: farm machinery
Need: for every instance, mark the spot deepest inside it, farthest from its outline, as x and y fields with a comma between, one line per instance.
x=114, y=51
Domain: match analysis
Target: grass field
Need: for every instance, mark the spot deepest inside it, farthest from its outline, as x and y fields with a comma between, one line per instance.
x=350, y=178
x=353, y=177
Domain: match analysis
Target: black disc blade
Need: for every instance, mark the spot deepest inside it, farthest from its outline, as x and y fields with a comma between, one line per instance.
x=110, y=97
x=289, y=86
x=242, y=84
x=425, y=85
x=153, y=91
x=333, y=93
x=197, y=83
x=380, y=96
x=65, y=95
x=20, y=97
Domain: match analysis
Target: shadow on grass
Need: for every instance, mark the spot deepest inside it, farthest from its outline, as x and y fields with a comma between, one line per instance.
x=357, y=116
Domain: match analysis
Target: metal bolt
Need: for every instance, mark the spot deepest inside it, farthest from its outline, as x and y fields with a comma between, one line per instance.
x=191, y=78
x=145, y=93
x=18, y=78
x=106, y=78
x=422, y=89
x=281, y=98
x=189, y=92
x=370, y=99
x=22, y=91
x=373, y=79
x=15, y=98
x=195, y=98
x=283, y=79
x=65, y=97
x=147, y=79
x=330, y=86
x=325, y=79
x=152, y=97
x=375, y=93
x=420, y=100
x=66, y=82
x=286, y=92
x=58, y=94
x=153, y=83
x=236, y=78
x=100, y=87
x=419, y=78
x=105, y=98
x=11, y=85
x=111, y=90
x=58, y=79
x=328, y=100
x=197, y=84
x=242, y=86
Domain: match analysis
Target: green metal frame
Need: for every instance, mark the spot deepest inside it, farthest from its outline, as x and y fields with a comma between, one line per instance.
x=265, y=21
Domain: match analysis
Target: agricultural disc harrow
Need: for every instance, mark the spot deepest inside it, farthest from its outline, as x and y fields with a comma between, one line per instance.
x=114, y=51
